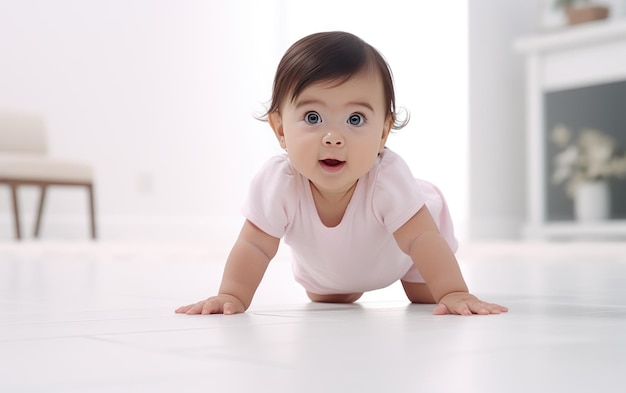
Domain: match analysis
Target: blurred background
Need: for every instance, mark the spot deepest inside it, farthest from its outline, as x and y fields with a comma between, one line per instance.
x=160, y=98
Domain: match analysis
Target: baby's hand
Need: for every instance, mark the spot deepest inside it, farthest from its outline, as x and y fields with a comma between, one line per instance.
x=463, y=303
x=220, y=304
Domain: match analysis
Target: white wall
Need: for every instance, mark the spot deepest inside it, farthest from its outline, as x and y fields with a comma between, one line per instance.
x=160, y=95
x=497, y=125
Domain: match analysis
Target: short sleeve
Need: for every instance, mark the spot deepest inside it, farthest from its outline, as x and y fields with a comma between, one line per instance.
x=396, y=194
x=271, y=197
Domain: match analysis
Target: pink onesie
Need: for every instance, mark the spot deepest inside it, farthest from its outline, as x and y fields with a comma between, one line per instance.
x=360, y=254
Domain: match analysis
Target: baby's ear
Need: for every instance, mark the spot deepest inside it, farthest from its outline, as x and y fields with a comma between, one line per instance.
x=276, y=122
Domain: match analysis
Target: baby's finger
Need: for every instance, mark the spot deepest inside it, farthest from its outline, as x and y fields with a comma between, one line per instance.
x=459, y=308
x=463, y=309
x=182, y=309
x=186, y=309
x=195, y=308
x=211, y=306
x=441, y=309
x=479, y=308
x=502, y=308
x=483, y=308
x=231, y=308
x=496, y=308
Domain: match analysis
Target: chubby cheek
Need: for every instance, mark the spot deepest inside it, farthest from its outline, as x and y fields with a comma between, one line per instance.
x=301, y=152
x=366, y=162
x=368, y=155
x=372, y=145
x=300, y=142
x=306, y=166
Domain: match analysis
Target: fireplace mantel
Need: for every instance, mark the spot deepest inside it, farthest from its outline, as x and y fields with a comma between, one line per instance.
x=574, y=57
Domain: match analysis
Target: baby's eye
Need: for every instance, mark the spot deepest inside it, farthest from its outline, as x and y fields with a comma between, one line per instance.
x=312, y=118
x=356, y=119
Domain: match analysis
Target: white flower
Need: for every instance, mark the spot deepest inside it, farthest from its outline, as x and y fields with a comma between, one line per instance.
x=593, y=156
x=561, y=135
x=565, y=163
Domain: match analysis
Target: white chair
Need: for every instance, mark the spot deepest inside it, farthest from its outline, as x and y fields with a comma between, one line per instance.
x=24, y=161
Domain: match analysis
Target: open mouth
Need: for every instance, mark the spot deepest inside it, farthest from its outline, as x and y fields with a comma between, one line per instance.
x=331, y=162
x=332, y=165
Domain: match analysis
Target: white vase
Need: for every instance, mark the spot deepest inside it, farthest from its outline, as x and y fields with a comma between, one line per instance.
x=593, y=200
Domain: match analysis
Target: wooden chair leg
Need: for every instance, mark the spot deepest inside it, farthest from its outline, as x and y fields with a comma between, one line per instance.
x=16, y=211
x=42, y=197
x=92, y=211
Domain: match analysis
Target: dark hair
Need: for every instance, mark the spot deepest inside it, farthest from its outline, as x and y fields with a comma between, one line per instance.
x=329, y=56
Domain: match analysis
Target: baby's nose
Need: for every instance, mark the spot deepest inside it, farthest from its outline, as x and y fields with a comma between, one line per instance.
x=333, y=139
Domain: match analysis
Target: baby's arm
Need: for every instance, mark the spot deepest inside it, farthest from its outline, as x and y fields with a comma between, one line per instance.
x=245, y=267
x=431, y=254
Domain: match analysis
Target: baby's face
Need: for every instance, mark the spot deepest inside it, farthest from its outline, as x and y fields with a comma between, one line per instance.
x=334, y=133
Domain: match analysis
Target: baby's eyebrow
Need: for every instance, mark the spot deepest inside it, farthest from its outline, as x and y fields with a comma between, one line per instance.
x=365, y=104
x=301, y=103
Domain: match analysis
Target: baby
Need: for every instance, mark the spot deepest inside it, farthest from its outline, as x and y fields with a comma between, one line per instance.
x=353, y=214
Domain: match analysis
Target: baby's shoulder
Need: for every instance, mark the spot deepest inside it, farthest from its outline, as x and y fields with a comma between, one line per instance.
x=394, y=193
x=277, y=167
x=391, y=167
x=277, y=174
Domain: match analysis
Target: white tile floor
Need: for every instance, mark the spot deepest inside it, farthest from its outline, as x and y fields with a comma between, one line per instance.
x=99, y=318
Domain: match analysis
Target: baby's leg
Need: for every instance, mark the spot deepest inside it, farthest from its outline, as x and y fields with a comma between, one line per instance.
x=340, y=298
x=418, y=292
